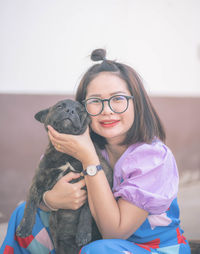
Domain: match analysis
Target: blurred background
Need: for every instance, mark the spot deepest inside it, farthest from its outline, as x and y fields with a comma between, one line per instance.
x=44, y=51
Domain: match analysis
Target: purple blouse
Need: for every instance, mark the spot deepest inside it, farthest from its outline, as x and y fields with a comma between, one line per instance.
x=146, y=175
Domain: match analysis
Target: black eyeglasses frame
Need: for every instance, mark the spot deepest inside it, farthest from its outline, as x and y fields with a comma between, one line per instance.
x=128, y=97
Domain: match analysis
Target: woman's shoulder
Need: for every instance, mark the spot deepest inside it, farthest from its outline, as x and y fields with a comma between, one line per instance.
x=146, y=157
x=147, y=176
x=156, y=149
x=156, y=144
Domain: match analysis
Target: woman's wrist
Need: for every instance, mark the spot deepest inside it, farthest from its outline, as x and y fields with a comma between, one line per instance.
x=91, y=158
x=43, y=207
x=91, y=161
x=47, y=202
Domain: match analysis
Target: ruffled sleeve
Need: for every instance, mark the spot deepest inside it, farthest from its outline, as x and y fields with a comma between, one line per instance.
x=147, y=176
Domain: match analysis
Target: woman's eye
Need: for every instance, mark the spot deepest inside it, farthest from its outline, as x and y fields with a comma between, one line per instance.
x=119, y=98
x=94, y=101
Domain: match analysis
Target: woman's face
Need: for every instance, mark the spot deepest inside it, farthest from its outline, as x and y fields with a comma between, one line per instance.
x=110, y=125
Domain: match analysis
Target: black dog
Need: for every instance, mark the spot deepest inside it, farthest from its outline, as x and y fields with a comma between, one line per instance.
x=69, y=229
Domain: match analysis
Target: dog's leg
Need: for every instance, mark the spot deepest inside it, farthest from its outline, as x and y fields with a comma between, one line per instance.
x=25, y=227
x=84, y=229
x=53, y=229
x=43, y=181
x=67, y=247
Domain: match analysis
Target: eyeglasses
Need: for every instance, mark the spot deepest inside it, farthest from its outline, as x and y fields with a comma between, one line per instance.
x=117, y=103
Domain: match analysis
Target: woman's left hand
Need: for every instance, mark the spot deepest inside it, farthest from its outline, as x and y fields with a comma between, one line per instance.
x=77, y=146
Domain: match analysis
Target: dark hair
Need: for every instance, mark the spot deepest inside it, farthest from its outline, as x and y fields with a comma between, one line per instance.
x=147, y=124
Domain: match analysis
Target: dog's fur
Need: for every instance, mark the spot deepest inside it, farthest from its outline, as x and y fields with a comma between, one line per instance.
x=70, y=229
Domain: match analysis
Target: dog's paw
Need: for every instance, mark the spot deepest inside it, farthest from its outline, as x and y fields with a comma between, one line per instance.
x=23, y=230
x=83, y=238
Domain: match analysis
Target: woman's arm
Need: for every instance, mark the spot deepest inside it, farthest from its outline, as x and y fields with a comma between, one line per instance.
x=115, y=219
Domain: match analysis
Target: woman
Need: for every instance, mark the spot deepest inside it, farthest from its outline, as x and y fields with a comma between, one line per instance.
x=140, y=214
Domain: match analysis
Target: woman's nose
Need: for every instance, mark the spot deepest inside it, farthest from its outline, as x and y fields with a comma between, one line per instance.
x=106, y=108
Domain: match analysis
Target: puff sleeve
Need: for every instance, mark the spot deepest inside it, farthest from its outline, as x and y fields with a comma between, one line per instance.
x=147, y=176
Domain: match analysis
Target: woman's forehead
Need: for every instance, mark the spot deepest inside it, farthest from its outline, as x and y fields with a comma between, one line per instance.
x=108, y=84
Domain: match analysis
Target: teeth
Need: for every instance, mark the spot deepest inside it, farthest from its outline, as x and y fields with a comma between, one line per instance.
x=108, y=122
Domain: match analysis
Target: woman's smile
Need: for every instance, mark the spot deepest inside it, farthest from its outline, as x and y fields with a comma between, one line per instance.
x=109, y=123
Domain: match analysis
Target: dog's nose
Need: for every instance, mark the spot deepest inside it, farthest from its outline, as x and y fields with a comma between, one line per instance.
x=70, y=111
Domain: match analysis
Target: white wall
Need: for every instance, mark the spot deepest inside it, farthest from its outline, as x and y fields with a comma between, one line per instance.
x=45, y=44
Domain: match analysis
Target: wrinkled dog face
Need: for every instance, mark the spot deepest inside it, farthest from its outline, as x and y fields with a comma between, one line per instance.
x=66, y=116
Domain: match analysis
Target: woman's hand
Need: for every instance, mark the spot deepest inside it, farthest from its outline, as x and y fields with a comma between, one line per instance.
x=66, y=195
x=77, y=146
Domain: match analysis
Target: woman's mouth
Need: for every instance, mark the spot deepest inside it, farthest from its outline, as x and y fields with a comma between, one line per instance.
x=109, y=123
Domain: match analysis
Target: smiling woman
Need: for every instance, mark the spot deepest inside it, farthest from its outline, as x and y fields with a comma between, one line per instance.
x=132, y=139
x=140, y=213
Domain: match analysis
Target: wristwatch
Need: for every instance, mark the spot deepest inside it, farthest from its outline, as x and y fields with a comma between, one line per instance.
x=92, y=170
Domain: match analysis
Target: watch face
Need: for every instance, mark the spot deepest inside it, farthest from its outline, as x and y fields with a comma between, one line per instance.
x=91, y=170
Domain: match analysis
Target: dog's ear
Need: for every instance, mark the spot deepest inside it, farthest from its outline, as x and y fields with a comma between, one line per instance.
x=41, y=115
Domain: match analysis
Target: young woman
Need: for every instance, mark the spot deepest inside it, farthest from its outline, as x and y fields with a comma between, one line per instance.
x=140, y=213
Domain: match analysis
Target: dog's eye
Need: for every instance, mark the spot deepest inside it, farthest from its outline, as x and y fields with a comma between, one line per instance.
x=59, y=107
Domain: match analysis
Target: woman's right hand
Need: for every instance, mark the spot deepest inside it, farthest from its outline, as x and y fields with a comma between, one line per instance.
x=66, y=195
x=80, y=147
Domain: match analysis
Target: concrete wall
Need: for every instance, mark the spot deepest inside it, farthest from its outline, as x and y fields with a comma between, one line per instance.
x=23, y=139
x=45, y=45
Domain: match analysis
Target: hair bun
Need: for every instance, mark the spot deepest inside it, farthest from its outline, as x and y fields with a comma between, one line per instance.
x=98, y=55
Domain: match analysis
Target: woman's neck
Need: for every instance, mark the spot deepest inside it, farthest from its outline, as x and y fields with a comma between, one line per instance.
x=115, y=152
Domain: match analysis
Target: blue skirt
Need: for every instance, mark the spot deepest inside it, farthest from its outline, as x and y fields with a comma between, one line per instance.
x=40, y=241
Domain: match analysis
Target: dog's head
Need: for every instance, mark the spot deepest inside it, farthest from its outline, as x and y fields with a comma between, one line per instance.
x=66, y=116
